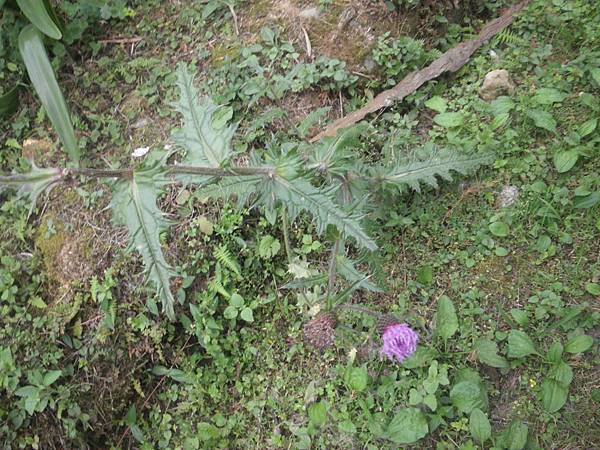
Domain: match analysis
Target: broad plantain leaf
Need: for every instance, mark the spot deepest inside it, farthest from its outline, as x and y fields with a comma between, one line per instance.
x=408, y=426
x=42, y=77
x=205, y=144
x=520, y=345
x=487, y=352
x=37, y=12
x=134, y=205
x=446, y=320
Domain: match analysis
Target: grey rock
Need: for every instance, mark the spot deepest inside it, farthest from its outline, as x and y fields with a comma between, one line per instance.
x=508, y=196
x=495, y=84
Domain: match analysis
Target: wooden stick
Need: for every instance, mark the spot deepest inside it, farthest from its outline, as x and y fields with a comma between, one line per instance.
x=450, y=61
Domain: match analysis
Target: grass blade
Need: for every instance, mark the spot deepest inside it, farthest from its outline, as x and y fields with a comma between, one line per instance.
x=37, y=13
x=42, y=77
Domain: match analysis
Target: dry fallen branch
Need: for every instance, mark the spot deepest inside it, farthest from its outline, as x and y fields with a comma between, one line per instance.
x=450, y=61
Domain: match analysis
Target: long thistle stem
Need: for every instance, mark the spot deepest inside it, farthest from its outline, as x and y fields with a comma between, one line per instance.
x=171, y=170
x=286, y=234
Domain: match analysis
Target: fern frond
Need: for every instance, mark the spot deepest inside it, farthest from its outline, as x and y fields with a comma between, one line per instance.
x=223, y=255
x=438, y=163
x=205, y=144
x=30, y=185
x=509, y=37
x=134, y=205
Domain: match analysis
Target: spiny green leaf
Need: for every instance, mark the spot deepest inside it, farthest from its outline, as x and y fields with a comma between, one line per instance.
x=205, y=144
x=42, y=77
x=299, y=195
x=329, y=154
x=346, y=268
x=31, y=184
x=439, y=163
x=134, y=205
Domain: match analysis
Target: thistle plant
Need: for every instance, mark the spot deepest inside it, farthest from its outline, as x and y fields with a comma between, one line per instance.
x=325, y=181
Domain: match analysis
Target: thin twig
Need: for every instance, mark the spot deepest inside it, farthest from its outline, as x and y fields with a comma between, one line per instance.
x=120, y=40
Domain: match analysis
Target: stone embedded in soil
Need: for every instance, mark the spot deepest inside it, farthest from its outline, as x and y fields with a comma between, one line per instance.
x=309, y=13
x=508, y=196
x=495, y=84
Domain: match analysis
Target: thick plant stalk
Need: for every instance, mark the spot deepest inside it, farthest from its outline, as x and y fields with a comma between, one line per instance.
x=450, y=61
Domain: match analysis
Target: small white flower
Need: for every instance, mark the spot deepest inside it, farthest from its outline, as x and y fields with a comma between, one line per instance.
x=139, y=152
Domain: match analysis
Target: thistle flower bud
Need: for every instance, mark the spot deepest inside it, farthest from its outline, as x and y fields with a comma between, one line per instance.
x=320, y=331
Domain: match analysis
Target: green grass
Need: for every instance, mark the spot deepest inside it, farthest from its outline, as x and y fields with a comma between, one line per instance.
x=72, y=299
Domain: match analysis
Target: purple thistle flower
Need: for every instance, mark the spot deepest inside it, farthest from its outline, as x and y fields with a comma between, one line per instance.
x=399, y=341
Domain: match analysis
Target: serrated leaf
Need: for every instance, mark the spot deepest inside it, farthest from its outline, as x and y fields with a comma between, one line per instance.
x=44, y=81
x=205, y=144
x=519, y=344
x=446, y=319
x=299, y=194
x=329, y=154
x=31, y=184
x=564, y=160
x=408, y=426
x=487, y=353
x=480, y=426
x=542, y=119
x=347, y=270
x=37, y=13
x=579, y=344
x=438, y=163
x=134, y=206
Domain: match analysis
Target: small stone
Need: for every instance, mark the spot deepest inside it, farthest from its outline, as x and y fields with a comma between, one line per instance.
x=369, y=65
x=495, y=84
x=141, y=123
x=508, y=196
x=309, y=13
